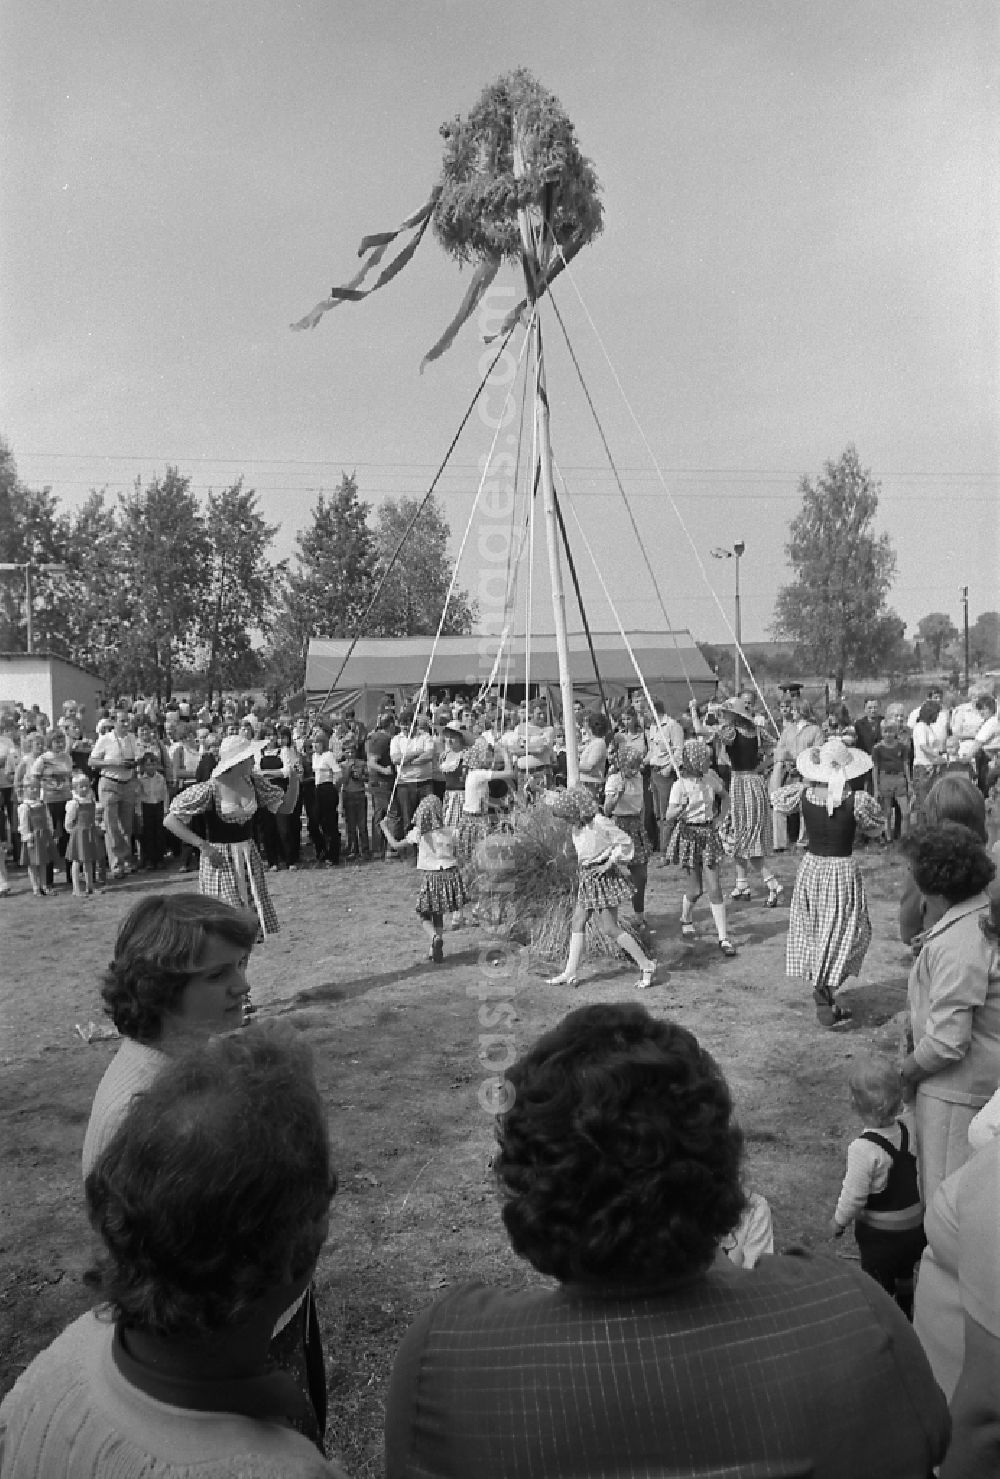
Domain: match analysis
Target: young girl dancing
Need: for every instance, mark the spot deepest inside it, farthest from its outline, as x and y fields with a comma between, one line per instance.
x=603, y=852
x=441, y=887
x=695, y=842
x=623, y=803
x=84, y=847
x=38, y=844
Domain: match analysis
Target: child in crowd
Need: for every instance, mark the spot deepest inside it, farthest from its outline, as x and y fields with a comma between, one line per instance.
x=623, y=802
x=442, y=890
x=155, y=799
x=891, y=759
x=880, y=1193
x=38, y=845
x=695, y=842
x=354, y=796
x=603, y=852
x=84, y=850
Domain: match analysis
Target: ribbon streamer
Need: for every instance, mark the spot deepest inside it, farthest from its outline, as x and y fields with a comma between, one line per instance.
x=482, y=277
x=565, y=257
x=375, y=245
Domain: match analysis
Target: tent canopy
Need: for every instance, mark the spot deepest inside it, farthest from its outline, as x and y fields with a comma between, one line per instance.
x=379, y=666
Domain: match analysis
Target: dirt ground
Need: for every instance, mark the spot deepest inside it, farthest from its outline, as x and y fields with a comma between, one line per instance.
x=397, y=1044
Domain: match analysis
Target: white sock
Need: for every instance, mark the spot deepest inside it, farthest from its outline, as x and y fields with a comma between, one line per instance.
x=719, y=915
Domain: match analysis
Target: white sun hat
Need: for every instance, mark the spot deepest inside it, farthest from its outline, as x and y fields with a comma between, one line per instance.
x=833, y=765
x=233, y=751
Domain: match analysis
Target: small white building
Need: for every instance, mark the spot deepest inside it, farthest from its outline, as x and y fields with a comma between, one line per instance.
x=46, y=680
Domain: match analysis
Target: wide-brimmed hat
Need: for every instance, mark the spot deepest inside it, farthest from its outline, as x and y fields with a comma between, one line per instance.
x=233, y=751
x=736, y=711
x=833, y=765
x=456, y=729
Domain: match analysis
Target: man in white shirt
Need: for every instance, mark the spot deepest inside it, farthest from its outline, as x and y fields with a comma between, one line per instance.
x=942, y=724
x=413, y=757
x=664, y=743
x=114, y=756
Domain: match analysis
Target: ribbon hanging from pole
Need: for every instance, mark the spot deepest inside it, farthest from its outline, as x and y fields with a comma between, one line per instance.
x=375, y=245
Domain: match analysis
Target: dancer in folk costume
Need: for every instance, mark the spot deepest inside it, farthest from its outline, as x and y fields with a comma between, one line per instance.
x=603, y=852
x=829, y=929
x=744, y=831
x=86, y=846
x=696, y=843
x=452, y=765
x=484, y=762
x=38, y=843
x=624, y=803
x=230, y=868
x=442, y=890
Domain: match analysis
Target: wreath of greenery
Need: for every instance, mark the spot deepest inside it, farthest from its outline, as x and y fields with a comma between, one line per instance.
x=476, y=213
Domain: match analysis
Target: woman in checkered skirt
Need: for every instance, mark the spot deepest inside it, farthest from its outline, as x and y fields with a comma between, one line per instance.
x=748, y=821
x=230, y=868
x=829, y=929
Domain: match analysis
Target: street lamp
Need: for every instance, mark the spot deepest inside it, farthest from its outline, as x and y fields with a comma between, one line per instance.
x=27, y=566
x=722, y=553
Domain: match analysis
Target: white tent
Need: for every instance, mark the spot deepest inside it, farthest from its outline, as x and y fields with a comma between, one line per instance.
x=380, y=666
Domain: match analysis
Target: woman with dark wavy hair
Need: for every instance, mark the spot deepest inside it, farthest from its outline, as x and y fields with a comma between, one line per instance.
x=178, y=975
x=954, y=998
x=211, y=1203
x=619, y=1171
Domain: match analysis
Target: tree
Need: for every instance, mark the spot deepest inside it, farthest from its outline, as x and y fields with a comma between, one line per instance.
x=835, y=609
x=984, y=639
x=164, y=571
x=413, y=599
x=329, y=591
x=937, y=631
x=31, y=529
x=242, y=588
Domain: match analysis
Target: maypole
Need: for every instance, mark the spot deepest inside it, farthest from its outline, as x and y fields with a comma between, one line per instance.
x=535, y=254
x=514, y=185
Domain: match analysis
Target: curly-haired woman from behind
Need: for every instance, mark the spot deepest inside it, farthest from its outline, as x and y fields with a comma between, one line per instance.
x=211, y=1204
x=178, y=975
x=619, y=1171
x=953, y=995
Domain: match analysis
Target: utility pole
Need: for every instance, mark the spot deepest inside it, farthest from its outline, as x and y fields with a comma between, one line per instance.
x=965, y=625
x=27, y=566
x=725, y=553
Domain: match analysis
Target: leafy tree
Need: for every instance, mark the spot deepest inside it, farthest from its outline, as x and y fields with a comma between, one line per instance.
x=937, y=631
x=165, y=574
x=984, y=639
x=835, y=608
x=329, y=591
x=413, y=599
x=242, y=588
x=31, y=529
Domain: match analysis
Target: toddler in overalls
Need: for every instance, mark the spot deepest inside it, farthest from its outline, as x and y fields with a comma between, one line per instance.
x=880, y=1192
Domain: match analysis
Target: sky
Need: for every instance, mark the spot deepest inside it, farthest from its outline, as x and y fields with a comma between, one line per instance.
x=802, y=223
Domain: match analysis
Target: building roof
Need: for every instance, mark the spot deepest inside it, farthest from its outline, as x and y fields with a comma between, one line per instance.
x=387, y=662
x=51, y=657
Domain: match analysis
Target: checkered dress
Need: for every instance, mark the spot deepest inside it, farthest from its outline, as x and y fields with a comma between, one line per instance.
x=240, y=881
x=695, y=845
x=829, y=929
x=746, y=823
x=441, y=892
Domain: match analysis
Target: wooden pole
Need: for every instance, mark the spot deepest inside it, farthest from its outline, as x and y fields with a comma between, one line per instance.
x=555, y=564
x=533, y=259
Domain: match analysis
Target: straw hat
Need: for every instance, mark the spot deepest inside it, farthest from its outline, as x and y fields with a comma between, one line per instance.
x=736, y=711
x=833, y=765
x=234, y=751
